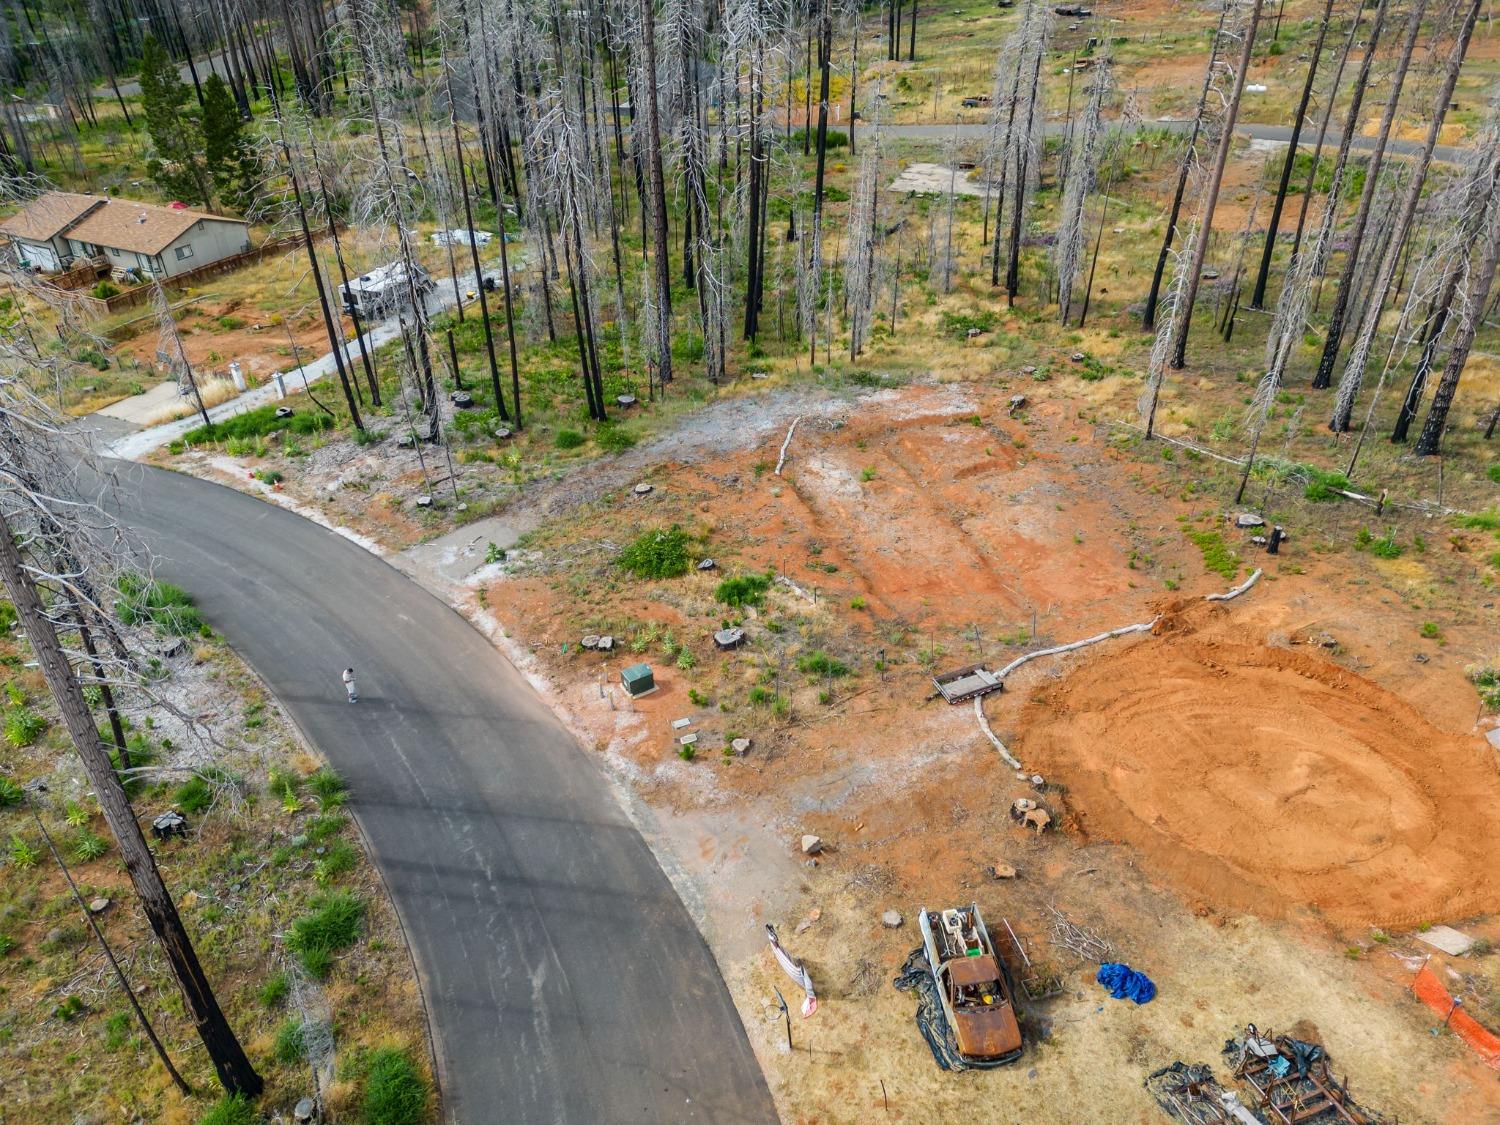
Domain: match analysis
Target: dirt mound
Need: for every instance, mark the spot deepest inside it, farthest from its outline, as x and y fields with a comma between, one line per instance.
x=1266, y=780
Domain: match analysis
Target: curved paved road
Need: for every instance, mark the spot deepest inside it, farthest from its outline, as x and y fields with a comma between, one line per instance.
x=1278, y=134
x=565, y=980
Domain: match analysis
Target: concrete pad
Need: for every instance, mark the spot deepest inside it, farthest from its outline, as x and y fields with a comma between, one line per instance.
x=140, y=409
x=1448, y=940
x=935, y=179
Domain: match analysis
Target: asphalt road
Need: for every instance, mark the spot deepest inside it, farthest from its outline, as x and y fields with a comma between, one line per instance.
x=1280, y=134
x=564, y=979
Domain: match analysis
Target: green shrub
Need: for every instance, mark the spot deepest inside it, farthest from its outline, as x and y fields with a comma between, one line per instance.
x=275, y=991
x=94, y=358
x=958, y=325
x=569, y=439
x=89, y=846
x=193, y=795
x=658, y=554
x=258, y=423
x=819, y=663
x=743, y=589
x=291, y=1041
x=10, y=793
x=687, y=347
x=1486, y=678
x=23, y=727
x=167, y=607
x=231, y=1109
x=1430, y=630
x=339, y=858
x=832, y=138
x=612, y=438
x=332, y=924
x=1386, y=547
x=1217, y=556
x=395, y=1091
x=22, y=855
x=116, y=1031
x=8, y=618
x=1487, y=520
x=1321, y=485
x=104, y=290
x=1493, y=472
x=329, y=788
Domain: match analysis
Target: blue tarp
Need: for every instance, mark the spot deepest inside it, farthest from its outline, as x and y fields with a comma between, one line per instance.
x=1125, y=983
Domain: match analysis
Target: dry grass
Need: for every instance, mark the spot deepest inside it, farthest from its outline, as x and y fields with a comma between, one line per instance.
x=212, y=391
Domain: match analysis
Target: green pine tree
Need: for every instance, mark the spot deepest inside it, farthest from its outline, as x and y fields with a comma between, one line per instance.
x=226, y=150
x=176, y=131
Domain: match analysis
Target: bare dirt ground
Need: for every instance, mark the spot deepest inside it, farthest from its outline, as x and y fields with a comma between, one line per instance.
x=1238, y=806
x=1341, y=798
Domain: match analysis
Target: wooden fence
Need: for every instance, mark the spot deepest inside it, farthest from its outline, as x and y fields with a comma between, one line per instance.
x=104, y=306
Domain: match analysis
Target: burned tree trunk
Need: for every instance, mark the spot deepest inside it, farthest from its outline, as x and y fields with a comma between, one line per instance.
x=1258, y=297
x=1344, y=294
x=1184, y=312
x=224, y=1050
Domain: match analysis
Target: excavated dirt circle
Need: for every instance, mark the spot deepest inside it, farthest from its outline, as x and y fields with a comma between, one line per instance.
x=1267, y=780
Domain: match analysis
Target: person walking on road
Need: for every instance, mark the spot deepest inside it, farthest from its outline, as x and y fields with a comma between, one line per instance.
x=349, y=685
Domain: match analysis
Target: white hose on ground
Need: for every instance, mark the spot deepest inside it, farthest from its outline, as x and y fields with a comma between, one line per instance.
x=1057, y=650
x=1237, y=591
x=984, y=725
x=792, y=429
x=1120, y=632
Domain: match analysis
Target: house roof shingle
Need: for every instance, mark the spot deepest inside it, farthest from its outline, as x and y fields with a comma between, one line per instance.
x=140, y=227
x=49, y=215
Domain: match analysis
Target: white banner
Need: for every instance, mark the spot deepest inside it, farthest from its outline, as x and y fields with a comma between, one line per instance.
x=794, y=969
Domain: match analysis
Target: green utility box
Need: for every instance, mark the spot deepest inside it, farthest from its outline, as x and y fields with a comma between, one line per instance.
x=638, y=679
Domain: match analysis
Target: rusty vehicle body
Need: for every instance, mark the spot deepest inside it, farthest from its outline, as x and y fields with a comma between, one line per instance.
x=973, y=984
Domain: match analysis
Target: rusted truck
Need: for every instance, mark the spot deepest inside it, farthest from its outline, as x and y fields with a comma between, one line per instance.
x=974, y=986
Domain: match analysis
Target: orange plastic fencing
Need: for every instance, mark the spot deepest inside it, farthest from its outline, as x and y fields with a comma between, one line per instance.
x=1431, y=992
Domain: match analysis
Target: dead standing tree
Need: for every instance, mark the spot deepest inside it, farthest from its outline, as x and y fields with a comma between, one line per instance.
x=1352, y=262
x=1182, y=320
x=1025, y=146
x=648, y=135
x=44, y=523
x=567, y=186
x=1186, y=168
x=1359, y=352
x=1258, y=296
x=1468, y=315
x=861, y=262
x=1067, y=252
x=1465, y=213
x=390, y=202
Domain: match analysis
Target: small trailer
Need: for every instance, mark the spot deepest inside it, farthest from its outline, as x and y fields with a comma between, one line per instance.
x=374, y=295
x=965, y=683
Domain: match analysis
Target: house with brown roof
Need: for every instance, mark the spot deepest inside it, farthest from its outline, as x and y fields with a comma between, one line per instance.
x=142, y=239
x=36, y=232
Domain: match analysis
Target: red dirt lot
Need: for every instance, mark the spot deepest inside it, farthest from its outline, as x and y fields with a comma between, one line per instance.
x=1272, y=781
